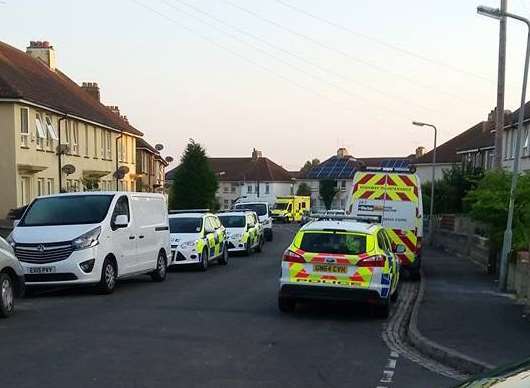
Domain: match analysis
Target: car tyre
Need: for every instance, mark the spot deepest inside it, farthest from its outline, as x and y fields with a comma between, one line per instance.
x=286, y=305
x=107, y=283
x=415, y=275
x=7, y=296
x=259, y=248
x=223, y=260
x=394, y=297
x=248, y=249
x=382, y=311
x=203, y=265
x=160, y=273
x=269, y=236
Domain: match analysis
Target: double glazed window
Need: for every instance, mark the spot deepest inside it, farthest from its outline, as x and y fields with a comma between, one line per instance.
x=24, y=127
x=40, y=131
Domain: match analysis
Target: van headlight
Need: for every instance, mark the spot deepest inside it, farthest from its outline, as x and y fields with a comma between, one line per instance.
x=11, y=241
x=188, y=244
x=87, y=240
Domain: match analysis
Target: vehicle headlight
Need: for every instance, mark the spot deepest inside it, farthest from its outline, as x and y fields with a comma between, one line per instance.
x=189, y=244
x=87, y=240
x=10, y=240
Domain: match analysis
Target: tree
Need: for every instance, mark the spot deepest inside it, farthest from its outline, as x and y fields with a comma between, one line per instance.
x=194, y=182
x=90, y=183
x=488, y=203
x=303, y=189
x=328, y=189
x=309, y=165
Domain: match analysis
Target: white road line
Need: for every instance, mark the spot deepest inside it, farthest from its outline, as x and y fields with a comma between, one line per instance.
x=387, y=376
x=391, y=364
x=394, y=354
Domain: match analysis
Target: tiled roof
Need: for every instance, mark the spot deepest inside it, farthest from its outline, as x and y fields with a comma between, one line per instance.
x=141, y=143
x=245, y=169
x=477, y=137
x=23, y=77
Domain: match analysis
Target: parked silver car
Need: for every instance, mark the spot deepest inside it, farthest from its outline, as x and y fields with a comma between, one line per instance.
x=11, y=279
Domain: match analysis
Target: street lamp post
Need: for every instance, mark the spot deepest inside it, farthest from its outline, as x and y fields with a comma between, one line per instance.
x=507, y=242
x=431, y=213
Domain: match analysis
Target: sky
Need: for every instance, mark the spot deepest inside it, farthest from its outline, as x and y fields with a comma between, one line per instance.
x=295, y=79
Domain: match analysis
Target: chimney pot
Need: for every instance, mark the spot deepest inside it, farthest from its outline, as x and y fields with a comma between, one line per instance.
x=43, y=51
x=92, y=89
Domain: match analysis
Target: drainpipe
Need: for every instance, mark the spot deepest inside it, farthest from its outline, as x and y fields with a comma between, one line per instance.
x=60, y=152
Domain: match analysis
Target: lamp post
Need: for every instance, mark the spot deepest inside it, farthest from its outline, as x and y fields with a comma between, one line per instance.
x=496, y=13
x=421, y=124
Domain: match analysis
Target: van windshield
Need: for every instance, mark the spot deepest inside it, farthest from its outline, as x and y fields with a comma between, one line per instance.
x=280, y=205
x=331, y=242
x=185, y=225
x=67, y=210
x=233, y=221
x=259, y=208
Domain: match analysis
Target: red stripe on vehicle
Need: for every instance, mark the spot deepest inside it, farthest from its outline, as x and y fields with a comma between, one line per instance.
x=403, y=259
x=403, y=196
x=366, y=194
x=381, y=181
x=365, y=178
x=410, y=245
x=406, y=180
x=390, y=181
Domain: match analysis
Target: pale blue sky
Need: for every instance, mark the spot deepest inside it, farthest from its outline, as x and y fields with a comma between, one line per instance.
x=295, y=96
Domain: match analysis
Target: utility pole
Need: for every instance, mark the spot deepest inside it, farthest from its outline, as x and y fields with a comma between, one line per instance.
x=499, y=115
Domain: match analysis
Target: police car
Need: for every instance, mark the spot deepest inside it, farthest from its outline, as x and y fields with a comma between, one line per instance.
x=244, y=232
x=340, y=258
x=197, y=237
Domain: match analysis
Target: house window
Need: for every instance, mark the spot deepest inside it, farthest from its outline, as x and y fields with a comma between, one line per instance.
x=249, y=189
x=506, y=142
x=40, y=186
x=226, y=189
x=52, y=133
x=513, y=141
x=41, y=134
x=24, y=127
x=233, y=187
x=525, y=143
x=87, y=141
x=267, y=188
x=108, y=135
x=75, y=138
x=227, y=203
x=50, y=187
x=24, y=192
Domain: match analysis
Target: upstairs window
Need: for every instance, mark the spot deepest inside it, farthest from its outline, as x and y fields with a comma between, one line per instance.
x=40, y=132
x=24, y=127
x=75, y=138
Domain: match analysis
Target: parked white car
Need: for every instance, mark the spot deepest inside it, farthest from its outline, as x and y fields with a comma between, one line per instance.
x=11, y=279
x=93, y=238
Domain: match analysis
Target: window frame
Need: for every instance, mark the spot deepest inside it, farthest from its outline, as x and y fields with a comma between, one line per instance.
x=24, y=135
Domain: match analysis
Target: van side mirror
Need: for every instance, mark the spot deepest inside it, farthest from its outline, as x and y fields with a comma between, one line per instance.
x=399, y=248
x=121, y=221
x=15, y=223
x=208, y=230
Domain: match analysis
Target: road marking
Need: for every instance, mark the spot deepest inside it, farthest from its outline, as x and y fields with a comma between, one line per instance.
x=388, y=370
x=391, y=363
x=387, y=376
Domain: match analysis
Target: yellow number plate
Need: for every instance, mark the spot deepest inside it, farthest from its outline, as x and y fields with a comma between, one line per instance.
x=329, y=268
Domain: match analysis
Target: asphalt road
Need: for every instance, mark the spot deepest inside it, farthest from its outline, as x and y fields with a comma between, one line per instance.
x=221, y=328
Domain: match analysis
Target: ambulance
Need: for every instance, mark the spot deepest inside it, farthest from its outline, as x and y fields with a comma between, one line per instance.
x=290, y=208
x=394, y=194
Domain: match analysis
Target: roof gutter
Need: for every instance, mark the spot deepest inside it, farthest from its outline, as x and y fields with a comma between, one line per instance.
x=22, y=101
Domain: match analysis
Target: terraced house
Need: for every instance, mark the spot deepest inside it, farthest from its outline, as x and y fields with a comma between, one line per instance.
x=150, y=168
x=57, y=135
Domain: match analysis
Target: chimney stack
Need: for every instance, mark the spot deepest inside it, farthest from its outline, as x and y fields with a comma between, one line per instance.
x=342, y=153
x=256, y=154
x=43, y=51
x=114, y=109
x=420, y=151
x=92, y=89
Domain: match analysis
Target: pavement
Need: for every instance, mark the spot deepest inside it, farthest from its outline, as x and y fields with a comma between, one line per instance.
x=221, y=328
x=462, y=310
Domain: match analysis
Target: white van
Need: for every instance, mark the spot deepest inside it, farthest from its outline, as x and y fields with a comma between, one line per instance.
x=262, y=210
x=93, y=238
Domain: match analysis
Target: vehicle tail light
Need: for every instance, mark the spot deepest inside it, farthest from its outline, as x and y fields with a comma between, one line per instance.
x=292, y=257
x=418, y=245
x=372, y=261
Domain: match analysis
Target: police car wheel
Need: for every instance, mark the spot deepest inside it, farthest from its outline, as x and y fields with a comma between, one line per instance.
x=259, y=248
x=395, y=295
x=415, y=275
x=286, y=305
x=224, y=257
x=203, y=265
x=248, y=249
x=268, y=235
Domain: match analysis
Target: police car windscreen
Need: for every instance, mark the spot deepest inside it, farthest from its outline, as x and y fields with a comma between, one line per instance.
x=233, y=221
x=259, y=208
x=185, y=225
x=332, y=242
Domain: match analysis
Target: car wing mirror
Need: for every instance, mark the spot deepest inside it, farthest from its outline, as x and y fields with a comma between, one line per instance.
x=121, y=221
x=15, y=223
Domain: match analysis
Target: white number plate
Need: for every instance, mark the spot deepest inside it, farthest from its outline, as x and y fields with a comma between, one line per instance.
x=39, y=270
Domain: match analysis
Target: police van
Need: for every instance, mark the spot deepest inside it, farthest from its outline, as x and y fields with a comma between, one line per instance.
x=394, y=194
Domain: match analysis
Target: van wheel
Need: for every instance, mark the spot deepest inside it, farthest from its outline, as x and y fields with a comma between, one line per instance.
x=286, y=305
x=7, y=297
x=224, y=257
x=160, y=273
x=259, y=248
x=203, y=265
x=107, y=283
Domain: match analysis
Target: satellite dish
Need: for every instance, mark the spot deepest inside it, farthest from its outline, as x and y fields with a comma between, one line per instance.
x=68, y=169
x=159, y=147
x=123, y=170
x=118, y=174
x=169, y=159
